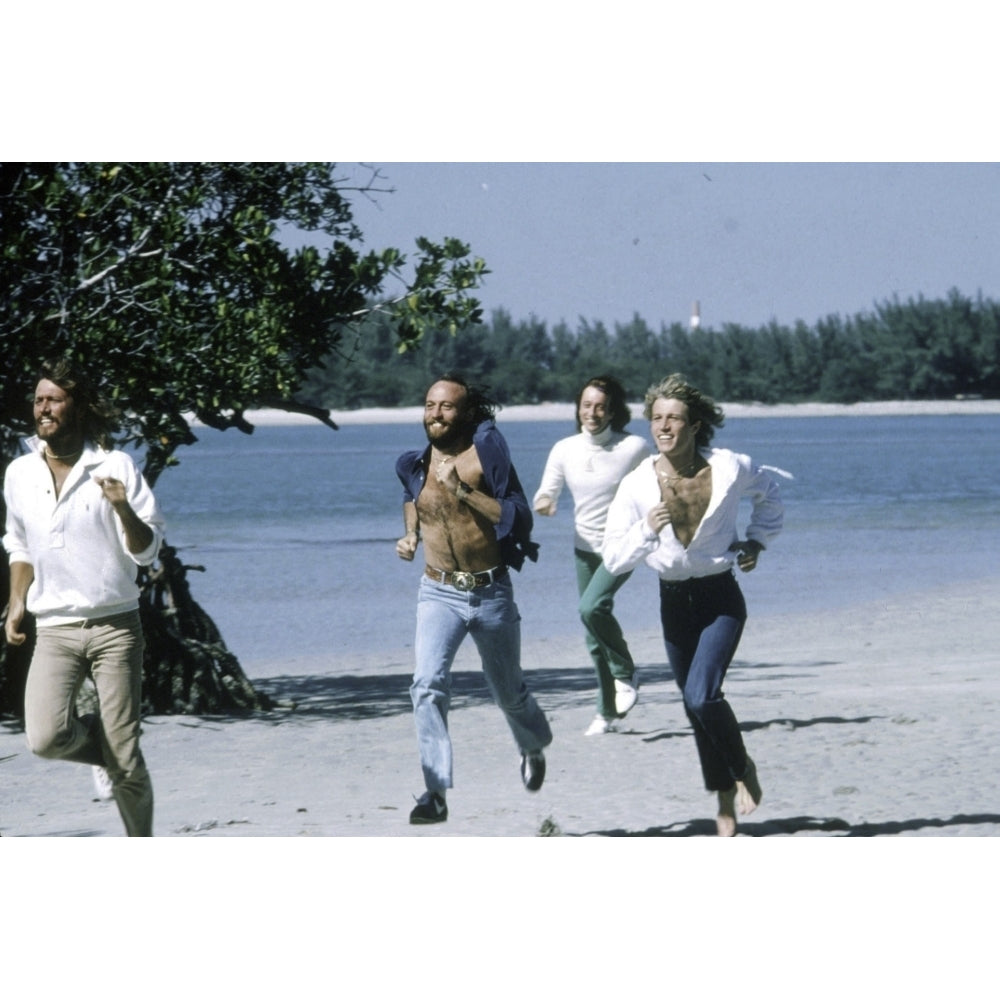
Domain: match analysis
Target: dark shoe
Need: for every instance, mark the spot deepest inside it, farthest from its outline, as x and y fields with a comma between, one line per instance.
x=430, y=808
x=533, y=770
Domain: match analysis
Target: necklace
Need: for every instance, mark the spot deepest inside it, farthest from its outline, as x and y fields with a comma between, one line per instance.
x=669, y=479
x=61, y=458
x=675, y=477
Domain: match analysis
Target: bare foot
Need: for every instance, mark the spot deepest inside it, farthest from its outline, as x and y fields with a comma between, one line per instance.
x=748, y=791
x=725, y=822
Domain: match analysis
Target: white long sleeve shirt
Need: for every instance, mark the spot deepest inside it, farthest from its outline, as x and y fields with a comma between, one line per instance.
x=76, y=544
x=591, y=466
x=629, y=540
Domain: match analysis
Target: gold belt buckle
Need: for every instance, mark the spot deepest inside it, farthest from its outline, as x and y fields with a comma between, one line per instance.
x=461, y=580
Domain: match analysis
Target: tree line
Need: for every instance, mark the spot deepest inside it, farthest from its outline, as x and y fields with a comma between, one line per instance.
x=919, y=349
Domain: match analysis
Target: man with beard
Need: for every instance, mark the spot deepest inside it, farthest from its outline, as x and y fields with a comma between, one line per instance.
x=80, y=520
x=463, y=499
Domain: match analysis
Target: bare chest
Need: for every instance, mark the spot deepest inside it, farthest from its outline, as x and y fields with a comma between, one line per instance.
x=455, y=534
x=687, y=500
x=436, y=504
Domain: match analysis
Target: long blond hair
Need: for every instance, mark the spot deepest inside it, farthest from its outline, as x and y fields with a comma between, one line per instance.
x=702, y=409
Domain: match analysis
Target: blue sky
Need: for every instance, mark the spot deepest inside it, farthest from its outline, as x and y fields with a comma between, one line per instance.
x=657, y=86
x=750, y=242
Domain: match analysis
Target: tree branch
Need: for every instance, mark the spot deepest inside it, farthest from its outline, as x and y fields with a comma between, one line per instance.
x=306, y=409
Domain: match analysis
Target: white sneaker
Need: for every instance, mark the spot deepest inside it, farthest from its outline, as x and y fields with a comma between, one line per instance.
x=102, y=784
x=600, y=726
x=626, y=695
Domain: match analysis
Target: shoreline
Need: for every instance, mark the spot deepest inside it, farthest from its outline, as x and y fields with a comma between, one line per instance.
x=768, y=634
x=564, y=412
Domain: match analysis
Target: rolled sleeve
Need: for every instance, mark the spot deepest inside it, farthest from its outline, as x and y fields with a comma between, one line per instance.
x=143, y=502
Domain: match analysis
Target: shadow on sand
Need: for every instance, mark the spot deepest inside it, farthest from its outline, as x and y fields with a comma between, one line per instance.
x=351, y=696
x=346, y=697
x=789, y=825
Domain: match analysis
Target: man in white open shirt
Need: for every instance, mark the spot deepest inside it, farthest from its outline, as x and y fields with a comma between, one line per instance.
x=677, y=512
x=80, y=520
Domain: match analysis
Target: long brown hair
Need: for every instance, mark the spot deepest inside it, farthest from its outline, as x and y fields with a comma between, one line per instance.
x=99, y=419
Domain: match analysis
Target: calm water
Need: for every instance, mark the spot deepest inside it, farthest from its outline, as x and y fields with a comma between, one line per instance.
x=296, y=526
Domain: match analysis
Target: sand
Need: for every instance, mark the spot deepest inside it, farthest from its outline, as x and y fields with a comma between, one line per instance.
x=876, y=721
x=564, y=411
x=875, y=724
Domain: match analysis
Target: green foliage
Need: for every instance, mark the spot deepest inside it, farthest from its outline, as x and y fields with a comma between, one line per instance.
x=915, y=350
x=173, y=283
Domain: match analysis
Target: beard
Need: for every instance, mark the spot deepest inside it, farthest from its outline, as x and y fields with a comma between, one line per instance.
x=59, y=437
x=445, y=436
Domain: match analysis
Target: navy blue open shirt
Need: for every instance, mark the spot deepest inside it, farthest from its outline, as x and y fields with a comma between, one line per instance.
x=516, y=520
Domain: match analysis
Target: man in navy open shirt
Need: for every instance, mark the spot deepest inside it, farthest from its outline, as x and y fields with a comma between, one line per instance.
x=462, y=498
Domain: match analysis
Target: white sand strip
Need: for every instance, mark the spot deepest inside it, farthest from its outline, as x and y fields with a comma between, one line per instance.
x=564, y=412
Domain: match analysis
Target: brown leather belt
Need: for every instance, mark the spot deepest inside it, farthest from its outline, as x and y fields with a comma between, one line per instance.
x=461, y=580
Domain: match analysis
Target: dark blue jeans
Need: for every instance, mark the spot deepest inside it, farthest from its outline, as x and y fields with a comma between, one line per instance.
x=702, y=621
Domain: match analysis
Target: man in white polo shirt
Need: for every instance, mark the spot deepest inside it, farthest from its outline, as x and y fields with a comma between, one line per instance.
x=80, y=520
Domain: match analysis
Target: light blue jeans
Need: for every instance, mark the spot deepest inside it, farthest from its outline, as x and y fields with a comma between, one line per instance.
x=445, y=616
x=110, y=650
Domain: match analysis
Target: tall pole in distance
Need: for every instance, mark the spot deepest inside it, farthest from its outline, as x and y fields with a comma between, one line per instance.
x=695, y=315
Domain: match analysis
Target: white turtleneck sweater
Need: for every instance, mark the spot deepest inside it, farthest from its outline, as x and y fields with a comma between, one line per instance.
x=591, y=466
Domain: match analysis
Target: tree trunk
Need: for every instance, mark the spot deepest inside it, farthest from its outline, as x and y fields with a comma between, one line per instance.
x=187, y=668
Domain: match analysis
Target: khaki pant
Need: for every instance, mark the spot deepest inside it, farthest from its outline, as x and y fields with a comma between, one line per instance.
x=110, y=650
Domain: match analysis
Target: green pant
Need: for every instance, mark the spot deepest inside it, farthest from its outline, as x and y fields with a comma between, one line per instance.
x=111, y=650
x=605, y=640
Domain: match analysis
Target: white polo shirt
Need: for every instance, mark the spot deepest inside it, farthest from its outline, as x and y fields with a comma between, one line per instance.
x=76, y=544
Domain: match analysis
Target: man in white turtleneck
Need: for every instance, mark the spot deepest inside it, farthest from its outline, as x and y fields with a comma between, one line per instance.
x=591, y=464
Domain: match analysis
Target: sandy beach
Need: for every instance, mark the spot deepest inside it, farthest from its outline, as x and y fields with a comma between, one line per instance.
x=876, y=721
x=841, y=712
x=875, y=724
